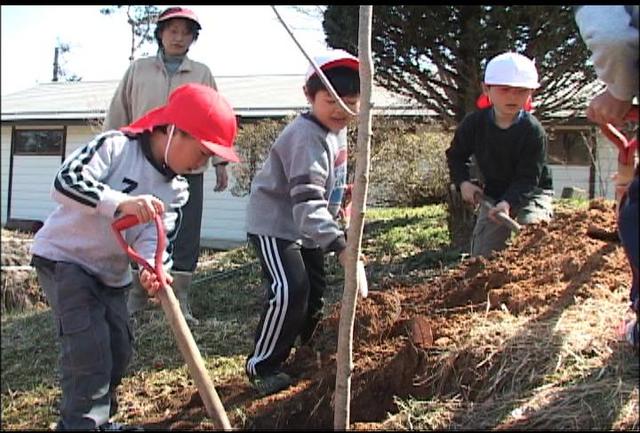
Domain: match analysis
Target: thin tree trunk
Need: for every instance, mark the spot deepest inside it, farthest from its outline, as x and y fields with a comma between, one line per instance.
x=344, y=364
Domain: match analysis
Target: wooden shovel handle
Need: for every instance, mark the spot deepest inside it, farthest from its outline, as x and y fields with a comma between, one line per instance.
x=177, y=322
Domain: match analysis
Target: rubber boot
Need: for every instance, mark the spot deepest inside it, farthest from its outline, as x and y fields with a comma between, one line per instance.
x=137, y=299
x=181, y=286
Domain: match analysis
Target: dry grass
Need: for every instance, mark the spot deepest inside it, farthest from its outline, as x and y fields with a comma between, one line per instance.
x=565, y=371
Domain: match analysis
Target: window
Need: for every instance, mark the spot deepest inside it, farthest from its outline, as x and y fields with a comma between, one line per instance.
x=38, y=141
x=569, y=147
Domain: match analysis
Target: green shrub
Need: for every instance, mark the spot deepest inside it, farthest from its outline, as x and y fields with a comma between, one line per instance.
x=408, y=165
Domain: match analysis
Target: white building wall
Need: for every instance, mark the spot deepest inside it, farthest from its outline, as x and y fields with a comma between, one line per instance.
x=30, y=199
x=78, y=136
x=5, y=156
x=223, y=214
x=576, y=176
x=33, y=176
x=606, y=167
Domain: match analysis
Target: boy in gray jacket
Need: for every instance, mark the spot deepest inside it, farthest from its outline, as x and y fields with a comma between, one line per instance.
x=82, y=269
x=291, y=218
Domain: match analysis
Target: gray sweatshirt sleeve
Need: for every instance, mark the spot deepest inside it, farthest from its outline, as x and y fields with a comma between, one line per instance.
x=307, y=168
x=610, y=35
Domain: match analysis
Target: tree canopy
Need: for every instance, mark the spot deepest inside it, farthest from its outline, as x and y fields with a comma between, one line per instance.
x=436, y=54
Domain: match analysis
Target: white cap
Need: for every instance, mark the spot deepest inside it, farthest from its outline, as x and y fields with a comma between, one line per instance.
x=331, y=59
x=512, y=69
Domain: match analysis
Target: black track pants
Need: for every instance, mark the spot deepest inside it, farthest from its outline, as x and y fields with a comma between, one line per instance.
x=295, y=281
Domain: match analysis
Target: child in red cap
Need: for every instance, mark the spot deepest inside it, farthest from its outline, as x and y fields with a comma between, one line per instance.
x=510, y=149
x=82, y=269
x=147, y=84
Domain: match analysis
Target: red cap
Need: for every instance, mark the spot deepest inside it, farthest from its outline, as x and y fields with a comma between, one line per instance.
x=483, y=101
x=200, y=111
x=332, y=59
x=178, y=12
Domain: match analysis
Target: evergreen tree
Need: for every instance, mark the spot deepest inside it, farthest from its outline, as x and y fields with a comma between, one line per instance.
x=437, y=53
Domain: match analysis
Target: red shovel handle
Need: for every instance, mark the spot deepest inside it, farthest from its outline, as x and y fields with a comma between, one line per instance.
x=625, y=147
x=128, y=221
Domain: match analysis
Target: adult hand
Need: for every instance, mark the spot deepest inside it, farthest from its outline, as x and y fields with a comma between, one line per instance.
x=468, y=191
x=605, y=108
x=145, y=207
x=222, y=178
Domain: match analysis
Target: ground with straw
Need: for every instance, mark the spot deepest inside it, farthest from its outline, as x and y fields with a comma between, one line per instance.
x=523, y=340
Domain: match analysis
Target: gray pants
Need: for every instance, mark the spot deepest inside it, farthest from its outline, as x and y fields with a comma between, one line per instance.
x=92, y=326
x=489, y=236
x=187, y=242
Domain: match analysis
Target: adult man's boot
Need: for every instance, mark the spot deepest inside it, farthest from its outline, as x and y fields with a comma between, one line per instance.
x=137, y=298
x=181, y=286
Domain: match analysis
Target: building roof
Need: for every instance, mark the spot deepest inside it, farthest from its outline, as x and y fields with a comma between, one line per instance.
x=251, y=96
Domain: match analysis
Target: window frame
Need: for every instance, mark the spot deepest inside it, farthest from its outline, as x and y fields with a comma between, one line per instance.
x=57, y=151
x=580, y=137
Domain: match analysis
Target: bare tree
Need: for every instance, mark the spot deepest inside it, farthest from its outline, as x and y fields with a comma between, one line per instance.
x=344, y=359
x=60, y=62
x=141, y=19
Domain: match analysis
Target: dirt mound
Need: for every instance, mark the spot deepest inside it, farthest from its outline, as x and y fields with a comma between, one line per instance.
x=437, y=339
x=548, y=268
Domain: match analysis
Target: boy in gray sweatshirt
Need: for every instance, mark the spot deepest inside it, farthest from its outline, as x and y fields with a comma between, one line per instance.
x=291, y=217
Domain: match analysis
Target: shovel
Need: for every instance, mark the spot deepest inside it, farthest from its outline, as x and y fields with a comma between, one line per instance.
x=503, y=217
x=178, y=324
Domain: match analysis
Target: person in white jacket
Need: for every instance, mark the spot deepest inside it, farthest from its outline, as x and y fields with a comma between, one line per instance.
x=611, y=34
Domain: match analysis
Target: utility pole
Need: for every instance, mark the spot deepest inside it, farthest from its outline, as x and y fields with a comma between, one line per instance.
x=56, y=66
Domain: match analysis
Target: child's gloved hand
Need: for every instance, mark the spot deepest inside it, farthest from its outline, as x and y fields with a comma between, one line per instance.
x=361, y=279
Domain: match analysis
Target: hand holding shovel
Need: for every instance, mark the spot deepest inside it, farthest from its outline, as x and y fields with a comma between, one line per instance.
x=502, y=216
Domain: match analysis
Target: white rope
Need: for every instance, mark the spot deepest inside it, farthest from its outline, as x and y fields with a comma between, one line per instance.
x=323, y=77
x=166, y=149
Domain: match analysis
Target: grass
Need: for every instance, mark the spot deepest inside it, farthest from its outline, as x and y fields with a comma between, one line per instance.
x=404, y=245
x=571, y=379
x=226, y=297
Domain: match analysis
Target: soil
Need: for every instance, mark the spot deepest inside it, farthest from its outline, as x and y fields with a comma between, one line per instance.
x=548, y=266
x=399, y=328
